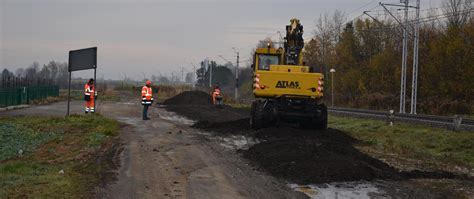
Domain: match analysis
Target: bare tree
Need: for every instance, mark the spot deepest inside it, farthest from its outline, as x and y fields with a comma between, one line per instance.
x=189, y=77
x=265, y=42
x=31, y=72
x=458, y=11
x=52, y=67
x=20, y=72
x=327, y=32
x=338, y=20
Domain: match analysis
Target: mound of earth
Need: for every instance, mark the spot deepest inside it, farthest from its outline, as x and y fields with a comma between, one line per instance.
x=298, y=155
x=228, y=127
x=305, y=156
x=210, y=114
x=190, y=98
x=309, y=156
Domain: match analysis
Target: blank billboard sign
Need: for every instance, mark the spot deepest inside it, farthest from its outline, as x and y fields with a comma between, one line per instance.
x=83, y=59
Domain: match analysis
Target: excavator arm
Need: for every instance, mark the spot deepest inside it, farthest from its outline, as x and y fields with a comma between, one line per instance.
x=294, y=43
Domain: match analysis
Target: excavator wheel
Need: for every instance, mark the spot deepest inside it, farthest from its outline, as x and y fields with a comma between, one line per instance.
x=257, y=117
x=321, y=122
x=219, y=102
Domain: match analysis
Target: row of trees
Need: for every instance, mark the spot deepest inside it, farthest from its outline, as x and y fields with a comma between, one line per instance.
x=366, y=54
x=52, y=73
x=221, y=75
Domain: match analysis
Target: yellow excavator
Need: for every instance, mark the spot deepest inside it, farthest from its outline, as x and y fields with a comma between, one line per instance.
x=285, y=89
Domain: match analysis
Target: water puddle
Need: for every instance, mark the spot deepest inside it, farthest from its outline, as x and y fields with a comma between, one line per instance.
x=173, y=117
x=357, y=189
x=204, y=133
x=128, y=103
x=237, y=142
x=129, y=120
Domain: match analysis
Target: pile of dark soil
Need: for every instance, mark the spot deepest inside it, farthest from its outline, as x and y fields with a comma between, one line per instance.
x=228, y=127
x=298, y=155
x=209, y=113
x=190, y=98
x=308, y=156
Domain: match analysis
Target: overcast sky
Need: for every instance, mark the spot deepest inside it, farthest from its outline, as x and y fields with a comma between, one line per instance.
x=161, y=36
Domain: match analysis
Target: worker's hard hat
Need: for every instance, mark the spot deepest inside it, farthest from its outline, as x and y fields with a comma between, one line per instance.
x=148, y=82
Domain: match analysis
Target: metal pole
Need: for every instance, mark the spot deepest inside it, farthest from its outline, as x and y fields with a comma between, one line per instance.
x=332, y=89
x=210, y=73
x=324, y=57
x=194, y=77
x=414, y=83
x=404, y=61
x=68, y=94
x=95, y=87
x=237, y=78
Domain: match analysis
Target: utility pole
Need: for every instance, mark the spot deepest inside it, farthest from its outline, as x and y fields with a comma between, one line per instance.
x=236, y=94
x=210, y=72
x=403, y=85
x=403, y=80
x=414, y=83
x=194, y=76
x=332, y=71
x=324, y=56
x=182, y=74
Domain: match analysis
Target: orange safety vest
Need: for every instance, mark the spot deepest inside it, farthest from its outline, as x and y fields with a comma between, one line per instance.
x=90, y=91
x=147, y=95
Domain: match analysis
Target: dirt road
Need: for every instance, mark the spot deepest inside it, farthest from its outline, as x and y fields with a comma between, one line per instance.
x=166, y=158
x=218, y=156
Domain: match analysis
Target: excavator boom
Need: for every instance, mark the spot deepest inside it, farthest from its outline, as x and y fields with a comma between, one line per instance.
x=294, y=43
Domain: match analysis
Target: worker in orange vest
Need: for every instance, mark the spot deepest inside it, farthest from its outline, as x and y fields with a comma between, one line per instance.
x=216, y=92
x=147, y=98
x=90, y=95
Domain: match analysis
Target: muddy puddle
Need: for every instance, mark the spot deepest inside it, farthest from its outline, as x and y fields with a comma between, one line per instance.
x=127, y=103
x=129, y=120
x=237, y=142
x=356, y=189
x=173, y=117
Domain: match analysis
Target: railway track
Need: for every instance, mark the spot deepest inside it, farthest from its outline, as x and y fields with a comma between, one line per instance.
x=454, y=123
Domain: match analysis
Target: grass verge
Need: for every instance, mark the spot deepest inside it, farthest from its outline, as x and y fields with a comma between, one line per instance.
x=107, y=95
x=410, y=146
x=45, y=157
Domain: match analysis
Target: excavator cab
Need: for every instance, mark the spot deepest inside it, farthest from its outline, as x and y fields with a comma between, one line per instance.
x=265, y=57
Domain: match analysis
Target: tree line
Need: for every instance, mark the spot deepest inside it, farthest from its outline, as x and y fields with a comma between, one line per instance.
x=366, y=54
x=53, y=73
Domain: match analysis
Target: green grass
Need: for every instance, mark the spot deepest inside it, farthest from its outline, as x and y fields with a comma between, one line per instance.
x=471, y=117
x=109, y=95
x=418, y=142
x=75, y=94
x=51, y=145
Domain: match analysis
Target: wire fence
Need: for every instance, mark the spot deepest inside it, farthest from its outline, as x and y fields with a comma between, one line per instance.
x=22, y=90
x=15, y=82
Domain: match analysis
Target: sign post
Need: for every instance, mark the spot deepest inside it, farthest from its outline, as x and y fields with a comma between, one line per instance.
x=82, y=59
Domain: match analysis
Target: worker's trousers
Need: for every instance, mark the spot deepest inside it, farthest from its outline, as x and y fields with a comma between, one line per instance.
x=145, y=111
x=89, y=106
